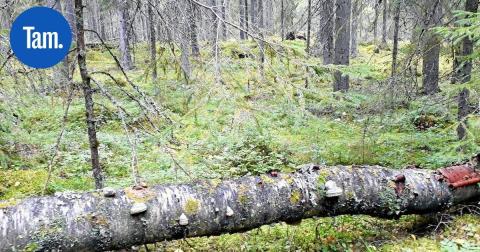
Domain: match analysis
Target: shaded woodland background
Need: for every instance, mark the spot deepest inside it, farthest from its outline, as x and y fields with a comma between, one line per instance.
x=173, y=91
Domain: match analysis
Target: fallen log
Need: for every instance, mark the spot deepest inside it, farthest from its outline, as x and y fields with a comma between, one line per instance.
x=109, y=219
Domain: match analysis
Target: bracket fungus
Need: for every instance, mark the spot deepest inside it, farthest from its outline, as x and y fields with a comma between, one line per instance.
x=138, y=208
x=332, y=189
x=229, y=212
x=183, y=220
x=109, y=192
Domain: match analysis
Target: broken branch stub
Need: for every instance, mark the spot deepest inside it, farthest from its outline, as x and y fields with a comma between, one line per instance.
x=95, y=221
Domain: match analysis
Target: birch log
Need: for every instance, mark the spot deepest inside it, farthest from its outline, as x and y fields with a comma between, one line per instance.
x=116, y=219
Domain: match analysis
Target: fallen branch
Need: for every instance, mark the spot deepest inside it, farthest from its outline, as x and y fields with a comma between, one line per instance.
x=109, y=219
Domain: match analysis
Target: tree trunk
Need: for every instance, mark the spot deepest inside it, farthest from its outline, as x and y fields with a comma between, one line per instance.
x=193, y=29
x=61, y=73
x=342, y=43
x=309, y=24
x=269, y=20
x=109, y=220
x=92, y=20
x=456, y=64
x=282, y=19
x=214, y=26
x=261, y=44
x=384, y=23
x=247, y=25
x=253, y=14
x=153, y=48
x=70, y=16
x=375, y=21
x=354, y=33
x=463, y=111
x=224, y=17
x=465, y=68
x=396, y=27
x=325, y=33
x=101, y=20
x=241, y=7
x=88, y=95
x=431, y=48
x=125, y=56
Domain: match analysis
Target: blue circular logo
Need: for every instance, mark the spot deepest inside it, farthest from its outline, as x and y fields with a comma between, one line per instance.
x=40, y=37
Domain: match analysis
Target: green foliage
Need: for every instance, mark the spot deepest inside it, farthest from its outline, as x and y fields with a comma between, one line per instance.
x=252, y=153
x=467, y=25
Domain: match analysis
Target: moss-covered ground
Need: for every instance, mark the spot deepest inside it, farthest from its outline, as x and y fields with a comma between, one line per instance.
x=246, y=122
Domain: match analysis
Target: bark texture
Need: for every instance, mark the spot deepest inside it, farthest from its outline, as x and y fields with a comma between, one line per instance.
x=70, y=16
x=431, y=47
x=463, y=111
x=88, y=96
x=93, y=222
x=465, y=70
x=193, y=29
x=342, y=43
x=356, y=9
x=152, y=38
x=384, y=23
x=241, y=8
x=126, y=58
x=309, y=24
x=396, y=28
x=325, y=33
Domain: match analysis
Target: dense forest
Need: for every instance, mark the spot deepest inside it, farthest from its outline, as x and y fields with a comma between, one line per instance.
x=245, y=125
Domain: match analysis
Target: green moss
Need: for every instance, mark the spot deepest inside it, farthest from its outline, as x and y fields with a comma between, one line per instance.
x=139, y=196
x=8, y=203
x=267, y=179
x=215, y=183
x=21, y=183
x=243, y=199
x=321, y=180
x=288, y=178
x=322, y=177
x=31, y=247
x=388, y=198
x=295, y=197
x=242, y=195
x=191, y=206
x=349, y=195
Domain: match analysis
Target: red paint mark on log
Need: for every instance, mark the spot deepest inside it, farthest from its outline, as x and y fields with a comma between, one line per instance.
x=460, y=175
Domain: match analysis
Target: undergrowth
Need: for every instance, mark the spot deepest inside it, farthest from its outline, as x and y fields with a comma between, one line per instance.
x=247, y=124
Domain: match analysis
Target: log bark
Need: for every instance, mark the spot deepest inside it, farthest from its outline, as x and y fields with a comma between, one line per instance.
x=92, y=221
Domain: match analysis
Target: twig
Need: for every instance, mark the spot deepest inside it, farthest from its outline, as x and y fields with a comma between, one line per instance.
x=52, y=160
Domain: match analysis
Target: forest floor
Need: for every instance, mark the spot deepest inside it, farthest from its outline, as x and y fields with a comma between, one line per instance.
x=245, y=123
